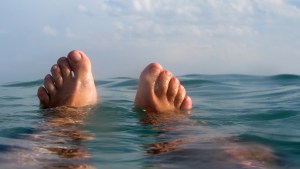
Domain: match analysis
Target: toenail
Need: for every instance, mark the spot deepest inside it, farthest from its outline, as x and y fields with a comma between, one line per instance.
x=168, y=73
x=75, y=56
x=48, y=77
x=61, y=60
x=55, y=67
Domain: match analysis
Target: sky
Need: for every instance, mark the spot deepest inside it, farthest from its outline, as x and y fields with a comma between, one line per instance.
x=256, y=37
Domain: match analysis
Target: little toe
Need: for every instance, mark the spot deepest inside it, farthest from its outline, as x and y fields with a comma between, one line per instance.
x=79, y=63
x=162, y=83
x=43, y=96
x=64, y=67
x=49, y=85
x=173, y=89
x=57, y=76
x=179, y=97
x=186, y=104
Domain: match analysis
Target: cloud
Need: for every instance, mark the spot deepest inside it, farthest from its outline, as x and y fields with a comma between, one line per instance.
x=177, y=19
x=82, y=8
x=242, y=6
x=210, y=9
x=142, y=5
x=85, y=9
x=167, y=17
x=69, y=34
x=277, y=9
x=241, y=31
x=49, y=31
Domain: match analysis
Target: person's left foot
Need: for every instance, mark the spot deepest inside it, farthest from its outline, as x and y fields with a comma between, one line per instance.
x=159, y=91
x=71, y=83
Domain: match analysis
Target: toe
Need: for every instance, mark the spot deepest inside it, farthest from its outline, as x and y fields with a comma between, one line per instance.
x=79, y=63
x=57, y=76
x=49, y=85
x=150, y=74
x=64, y=67
x=145, y=92
x=43, y=96
x=186, y=104
x=179, y=97
x=162, y=83
x=173, y=89
x=152, y=68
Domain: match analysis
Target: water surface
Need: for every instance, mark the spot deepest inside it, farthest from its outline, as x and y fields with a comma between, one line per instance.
x=238, y=121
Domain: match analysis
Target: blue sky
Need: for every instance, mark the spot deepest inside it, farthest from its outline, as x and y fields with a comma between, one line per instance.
x=259, y=37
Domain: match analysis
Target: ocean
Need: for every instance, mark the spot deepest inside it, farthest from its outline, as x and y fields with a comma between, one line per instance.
x=237, y=122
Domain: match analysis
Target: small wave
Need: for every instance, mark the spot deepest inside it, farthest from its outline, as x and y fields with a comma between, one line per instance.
x=269, y=139
x=285, y=77
x=192, y=82
x=24, y=84
x=10, y=98
x=102, y=82
x=17, y=132
x=227, y=80
x=272, y=115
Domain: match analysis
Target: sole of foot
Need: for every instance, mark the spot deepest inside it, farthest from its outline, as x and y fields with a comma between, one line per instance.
x=160, y=91
x=70, y=83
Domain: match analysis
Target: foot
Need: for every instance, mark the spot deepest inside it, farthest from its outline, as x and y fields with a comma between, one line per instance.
x=71, y=83
x=160, y=91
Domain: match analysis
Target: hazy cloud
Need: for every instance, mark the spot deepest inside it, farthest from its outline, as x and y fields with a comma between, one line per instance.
x=213, y=17
x=49, y=30
x=82, y=8
x=142, y=5
x=69, y=33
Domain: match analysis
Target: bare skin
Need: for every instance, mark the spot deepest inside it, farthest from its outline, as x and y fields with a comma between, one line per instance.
x=71, y=83
x=160, y=91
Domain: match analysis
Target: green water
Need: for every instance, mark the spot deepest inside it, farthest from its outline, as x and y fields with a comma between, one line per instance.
x=237, y=121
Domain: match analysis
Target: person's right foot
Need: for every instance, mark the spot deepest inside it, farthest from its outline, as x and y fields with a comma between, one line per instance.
x=160, y=91
x=71, y=83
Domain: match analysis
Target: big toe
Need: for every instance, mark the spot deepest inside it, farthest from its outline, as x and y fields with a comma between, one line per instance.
x=146, y=85
x=151, y=73
x=79, y=63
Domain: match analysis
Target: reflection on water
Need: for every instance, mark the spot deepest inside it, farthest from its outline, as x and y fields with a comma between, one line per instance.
x=61, y=134
x=179, y=142
x=186, y=144
x=165, y=122
x=55, y=143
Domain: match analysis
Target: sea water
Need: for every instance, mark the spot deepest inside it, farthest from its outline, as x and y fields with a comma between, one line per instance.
x=237, y=121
